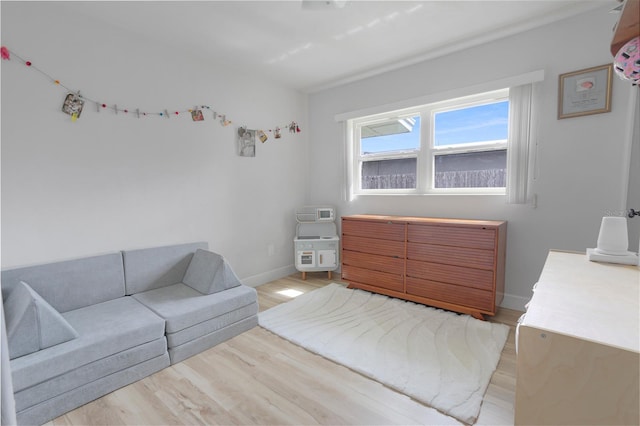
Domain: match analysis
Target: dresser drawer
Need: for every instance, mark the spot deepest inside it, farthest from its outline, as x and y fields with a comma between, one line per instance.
x=380, y=230
x=469, y=277
x=373, y=278
x=480, y=238
x=449, y=255
x=374, y=246
x=465, y=296
x=373, y=262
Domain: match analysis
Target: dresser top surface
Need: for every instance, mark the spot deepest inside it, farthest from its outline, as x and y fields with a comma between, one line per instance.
x=427, y=220
x=594, y=301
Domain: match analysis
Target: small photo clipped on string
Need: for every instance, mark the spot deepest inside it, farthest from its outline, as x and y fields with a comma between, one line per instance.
x=73, y=106
x=196, y=115
x=246, y=142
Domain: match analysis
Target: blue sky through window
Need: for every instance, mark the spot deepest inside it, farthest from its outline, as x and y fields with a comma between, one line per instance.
x=397, y=142
x=481, y=123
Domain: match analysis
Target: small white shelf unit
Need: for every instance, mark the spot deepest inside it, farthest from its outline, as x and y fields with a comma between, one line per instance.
x=316, y=244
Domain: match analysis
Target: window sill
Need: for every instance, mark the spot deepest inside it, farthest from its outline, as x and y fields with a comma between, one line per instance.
x=445, y=193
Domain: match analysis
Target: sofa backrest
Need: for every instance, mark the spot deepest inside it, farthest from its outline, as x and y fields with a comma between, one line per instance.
x=71, y=284
x=150, y=268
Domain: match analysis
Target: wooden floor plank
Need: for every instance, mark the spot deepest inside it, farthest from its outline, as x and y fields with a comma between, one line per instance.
x=260, y=378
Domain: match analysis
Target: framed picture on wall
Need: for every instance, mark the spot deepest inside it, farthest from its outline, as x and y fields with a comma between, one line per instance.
x=585, y=92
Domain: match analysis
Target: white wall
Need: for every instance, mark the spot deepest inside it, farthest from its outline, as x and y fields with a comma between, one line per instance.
x=108, y=182
x=581, y=160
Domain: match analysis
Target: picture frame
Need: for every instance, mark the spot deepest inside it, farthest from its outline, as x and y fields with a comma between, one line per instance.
x=585, y=92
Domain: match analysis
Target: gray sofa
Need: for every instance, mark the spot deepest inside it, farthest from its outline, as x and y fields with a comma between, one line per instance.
x=82, y=328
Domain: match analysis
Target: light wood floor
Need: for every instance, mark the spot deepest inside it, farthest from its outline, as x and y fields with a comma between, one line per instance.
x=260, y=379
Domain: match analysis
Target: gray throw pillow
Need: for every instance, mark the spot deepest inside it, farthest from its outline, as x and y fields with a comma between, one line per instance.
x=209, y=273
x=33, y=324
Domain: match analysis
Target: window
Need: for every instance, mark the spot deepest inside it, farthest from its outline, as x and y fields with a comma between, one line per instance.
x=388, y=151
x=453, y=146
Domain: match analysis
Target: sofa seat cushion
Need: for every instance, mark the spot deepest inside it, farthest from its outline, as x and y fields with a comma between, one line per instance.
x=202, y=343
x=89, y=373
x=183, y=307
x=63, y=402
x=32, y=324
x=104, y=329
x=209, y=326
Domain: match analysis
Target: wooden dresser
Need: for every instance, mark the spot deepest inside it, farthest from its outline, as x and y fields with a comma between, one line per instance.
x=452, y=264
x=578, y=345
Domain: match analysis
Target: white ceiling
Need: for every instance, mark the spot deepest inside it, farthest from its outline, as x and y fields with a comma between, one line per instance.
x=311, y=48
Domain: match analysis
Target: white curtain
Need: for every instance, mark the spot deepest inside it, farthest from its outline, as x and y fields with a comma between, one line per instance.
x=521, y=145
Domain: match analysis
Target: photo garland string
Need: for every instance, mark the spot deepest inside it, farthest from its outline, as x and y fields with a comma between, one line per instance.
x=74, y=103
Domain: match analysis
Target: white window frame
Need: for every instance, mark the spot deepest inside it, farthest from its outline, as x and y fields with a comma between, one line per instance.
x=359, y=159
x=426, y=153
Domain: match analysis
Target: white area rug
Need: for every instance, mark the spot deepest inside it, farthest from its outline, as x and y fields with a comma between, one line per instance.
x=442, y=359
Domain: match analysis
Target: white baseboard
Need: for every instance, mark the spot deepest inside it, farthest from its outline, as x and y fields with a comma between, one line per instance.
x=265, y=277
x=514, y=302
